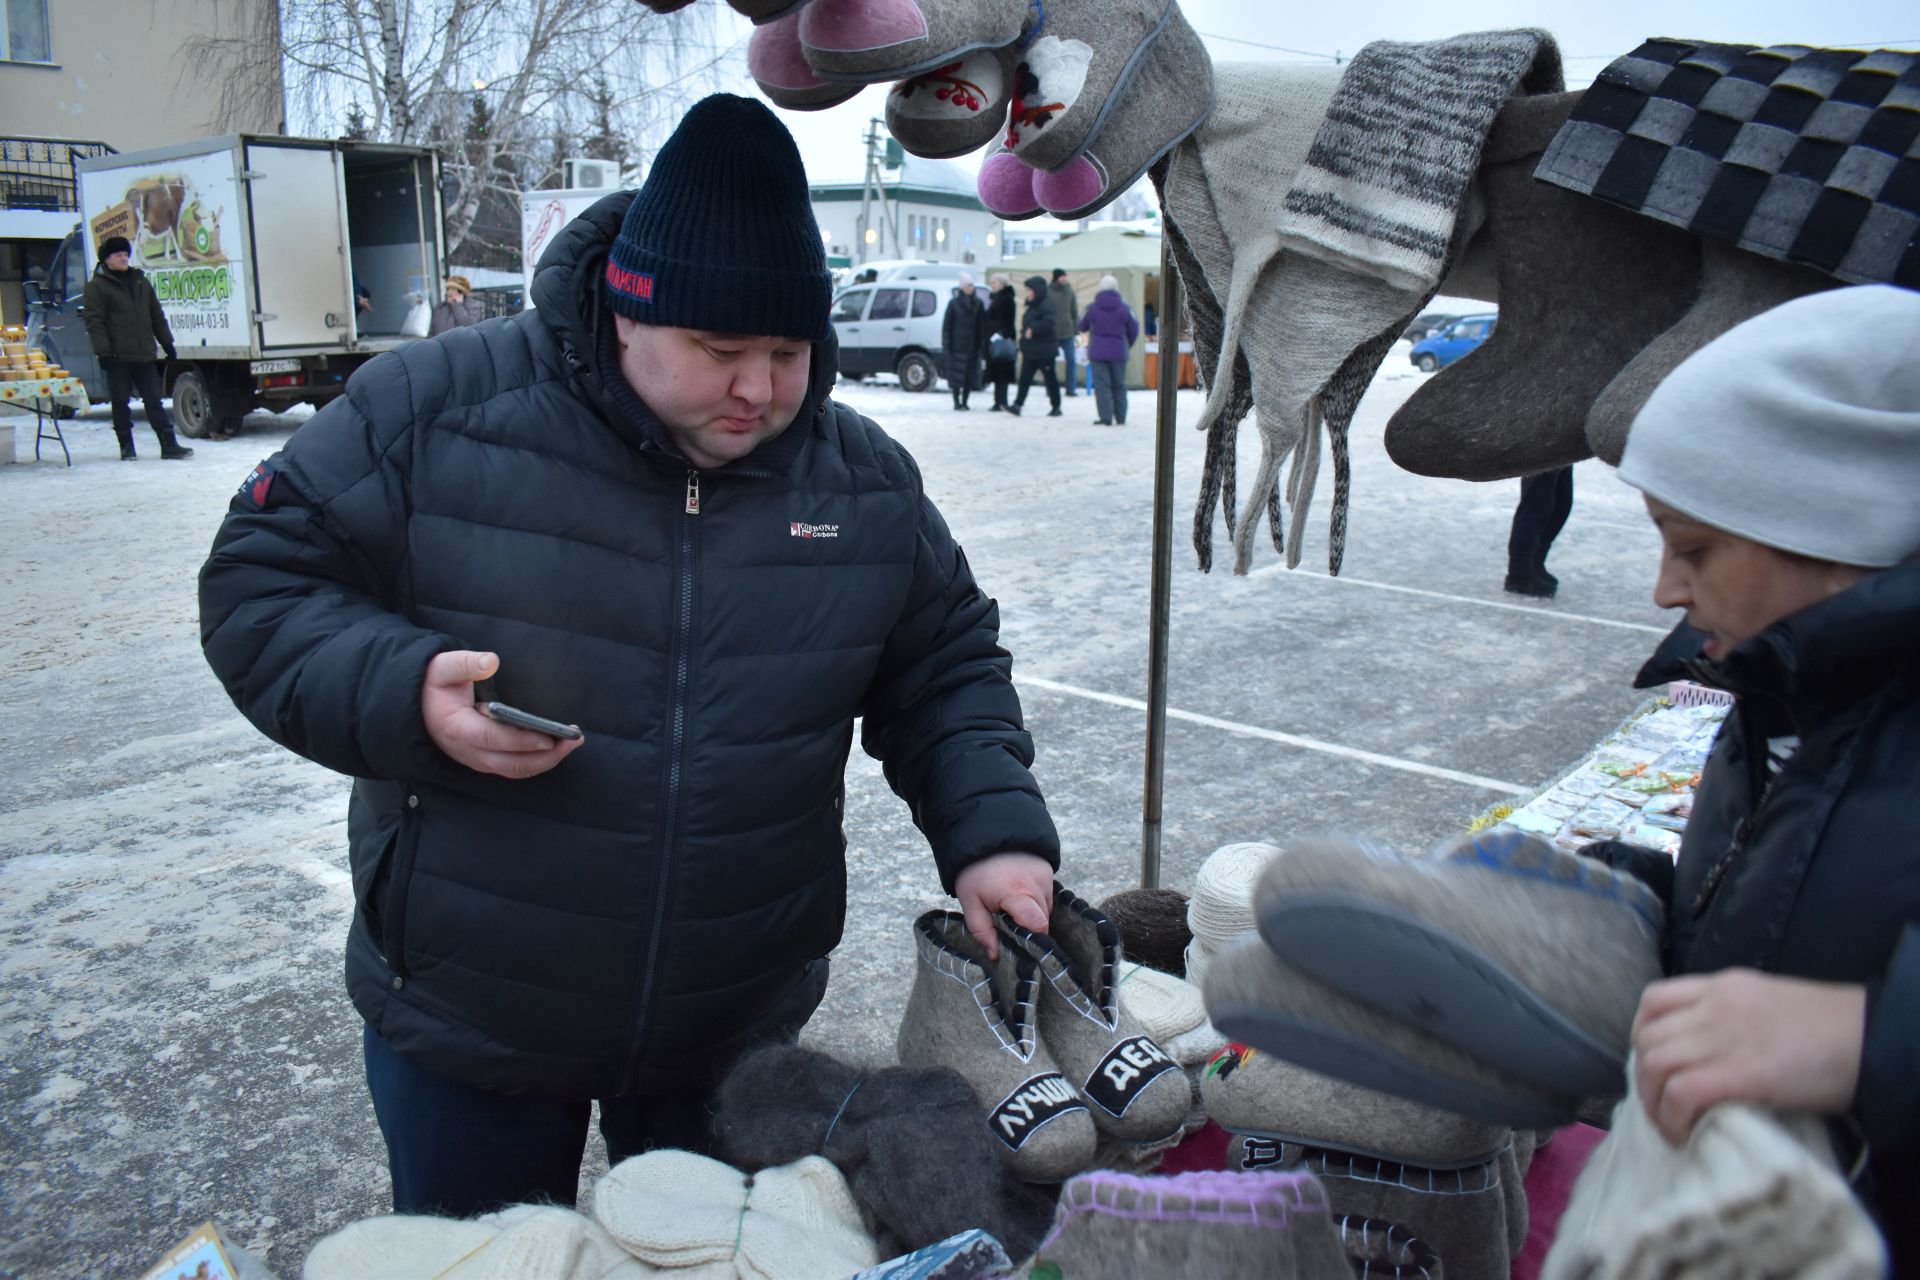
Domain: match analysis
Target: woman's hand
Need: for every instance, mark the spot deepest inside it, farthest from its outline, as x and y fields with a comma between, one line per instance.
x=1741, y=1034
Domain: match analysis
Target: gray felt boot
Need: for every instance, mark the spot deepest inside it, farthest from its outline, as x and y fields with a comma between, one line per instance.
x=956, y=108
x=1250, y=1092
x=1529, y=958
x=978, y=1017
x=1387, y=1251
x=1257, y=999
x=1169, y=98
x=872, y=41
x=1117, y=1226
x=778, y=66
x=1075, y=67
x=1584, y=287
x=1137, y=1090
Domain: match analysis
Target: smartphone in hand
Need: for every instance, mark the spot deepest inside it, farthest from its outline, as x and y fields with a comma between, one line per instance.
x=527, y=720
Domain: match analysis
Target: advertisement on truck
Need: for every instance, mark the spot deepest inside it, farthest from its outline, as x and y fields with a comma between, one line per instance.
x=542, y=214
x=172, y=212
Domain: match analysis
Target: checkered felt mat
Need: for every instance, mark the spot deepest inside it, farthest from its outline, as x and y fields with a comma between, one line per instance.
x=1804, y=155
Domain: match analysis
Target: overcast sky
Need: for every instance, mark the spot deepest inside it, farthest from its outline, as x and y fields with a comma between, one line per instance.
x=1590, y=36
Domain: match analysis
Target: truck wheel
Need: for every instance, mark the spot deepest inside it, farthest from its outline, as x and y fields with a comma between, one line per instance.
x=916, y=372
x=193, y=410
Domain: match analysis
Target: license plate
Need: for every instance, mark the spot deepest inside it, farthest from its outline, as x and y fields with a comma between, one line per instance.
x=275, y=366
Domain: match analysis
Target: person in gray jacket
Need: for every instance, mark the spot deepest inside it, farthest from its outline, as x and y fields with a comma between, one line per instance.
x=636, y=512
x=1066, y=322
x=456, y=310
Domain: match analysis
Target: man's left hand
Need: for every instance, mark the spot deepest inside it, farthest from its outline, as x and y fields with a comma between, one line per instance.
x=1741, y=1034
x=1020, y=884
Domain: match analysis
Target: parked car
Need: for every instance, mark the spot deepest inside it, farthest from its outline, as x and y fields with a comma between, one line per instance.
x=1452, y=342
x=892, y=328
x=1425, y=326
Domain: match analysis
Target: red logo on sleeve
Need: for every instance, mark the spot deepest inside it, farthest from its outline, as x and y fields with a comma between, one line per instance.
x=257, y=485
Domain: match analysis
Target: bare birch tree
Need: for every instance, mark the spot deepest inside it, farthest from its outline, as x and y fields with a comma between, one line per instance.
x=542, y=68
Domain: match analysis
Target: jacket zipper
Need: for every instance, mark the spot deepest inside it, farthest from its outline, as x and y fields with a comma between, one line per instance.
x=676, y=743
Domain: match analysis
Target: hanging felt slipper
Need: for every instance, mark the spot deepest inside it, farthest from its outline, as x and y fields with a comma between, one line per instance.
x=873, y=41
x=1508, y=948
x=1247, y=1091
x=1006, y=186
x=765, y=11
x=775, y=62
x=955, y=108
x=1169, y=97
x=979, y=1016
x=1258, y=999
x=1075, y=67
x=1137, y=1090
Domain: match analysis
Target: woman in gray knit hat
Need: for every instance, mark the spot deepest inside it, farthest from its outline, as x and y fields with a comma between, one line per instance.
x=1781, y=464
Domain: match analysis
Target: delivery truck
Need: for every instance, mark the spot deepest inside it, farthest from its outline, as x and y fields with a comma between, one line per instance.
x=283, y=264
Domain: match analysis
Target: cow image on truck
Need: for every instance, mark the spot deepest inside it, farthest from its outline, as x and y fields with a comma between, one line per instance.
x=255, y=247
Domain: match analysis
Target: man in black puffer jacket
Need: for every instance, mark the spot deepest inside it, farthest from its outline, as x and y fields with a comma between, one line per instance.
x=1781, y=464
x=634, y=510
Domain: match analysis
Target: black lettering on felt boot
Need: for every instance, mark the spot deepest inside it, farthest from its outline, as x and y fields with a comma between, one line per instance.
x=1259, y=1153
x=1033, y=1102
x=1127, y=1069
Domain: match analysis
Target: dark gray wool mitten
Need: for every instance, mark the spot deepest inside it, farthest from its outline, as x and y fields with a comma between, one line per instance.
x=1153, y=927
x=1528, y=957
x=1117, y=1226
x=1136, y=1089
x=978, y=1016
x=1257, y=999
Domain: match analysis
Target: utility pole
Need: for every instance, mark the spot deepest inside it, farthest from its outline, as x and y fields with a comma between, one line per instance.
x=871, y=192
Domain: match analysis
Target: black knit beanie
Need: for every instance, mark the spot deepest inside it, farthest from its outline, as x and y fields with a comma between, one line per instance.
x=115, y=244
x=721, y=237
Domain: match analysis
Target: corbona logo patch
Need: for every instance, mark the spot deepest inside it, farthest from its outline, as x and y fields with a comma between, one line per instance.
x=1127, y=1069
x=801, y=529
x=1033, y=1103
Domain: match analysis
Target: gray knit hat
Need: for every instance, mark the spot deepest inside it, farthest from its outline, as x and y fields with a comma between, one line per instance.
x=1799, y=429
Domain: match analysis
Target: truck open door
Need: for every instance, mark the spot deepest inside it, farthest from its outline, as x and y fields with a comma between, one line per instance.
x=304, y=284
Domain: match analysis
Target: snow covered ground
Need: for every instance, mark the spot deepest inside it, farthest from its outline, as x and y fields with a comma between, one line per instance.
x=175, y=1039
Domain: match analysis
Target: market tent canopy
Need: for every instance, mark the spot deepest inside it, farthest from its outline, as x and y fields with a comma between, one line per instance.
x=1128, y=254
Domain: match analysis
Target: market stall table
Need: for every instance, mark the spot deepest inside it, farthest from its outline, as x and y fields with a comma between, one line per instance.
x=42, y=397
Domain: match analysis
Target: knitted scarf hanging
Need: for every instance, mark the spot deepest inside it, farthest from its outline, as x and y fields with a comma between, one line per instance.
x=1333, y=240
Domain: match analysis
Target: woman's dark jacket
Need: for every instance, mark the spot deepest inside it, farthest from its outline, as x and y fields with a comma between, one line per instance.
x=1037, y=338
x=1814, y=872
x=963, y=339
x=123, y=316
x=1001, y=323
x=625, y=920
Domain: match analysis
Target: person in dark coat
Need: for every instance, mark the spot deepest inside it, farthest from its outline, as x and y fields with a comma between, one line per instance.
x=1002, y=323
x=124, y=325
x=1039, y=344
x=1111, y=332
x=633, y=510
x=963, y=340
x=1780, y=464
x=1066, y=322
x=1546, y=500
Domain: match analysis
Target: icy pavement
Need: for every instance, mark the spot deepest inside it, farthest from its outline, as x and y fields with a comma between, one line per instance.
x=177, y=1044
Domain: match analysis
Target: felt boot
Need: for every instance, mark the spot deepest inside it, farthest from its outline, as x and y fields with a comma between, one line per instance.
x=1257, y=999
x=978, y=1017
x=1250, y=1092
x=1735, y=286
x=761, y=12
x=1386, y=1250
x=956, y=108
x=1460, y=1215
x=1075, y=67
x=775, y=62
x=1167, y=100
x=871, y=41
x=1120, y=1226
x=1137, y=1090
x=1005, y=186
x=666, y=6
x=1529, y=958
x=1584, y=287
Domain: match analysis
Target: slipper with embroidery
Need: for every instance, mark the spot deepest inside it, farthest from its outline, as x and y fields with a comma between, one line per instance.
x=1169, y=97
x=871, y=41
x=1077, y=65
x=957, y=107
x=778, y=66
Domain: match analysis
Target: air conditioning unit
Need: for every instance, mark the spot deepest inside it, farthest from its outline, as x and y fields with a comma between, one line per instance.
x=592, y=175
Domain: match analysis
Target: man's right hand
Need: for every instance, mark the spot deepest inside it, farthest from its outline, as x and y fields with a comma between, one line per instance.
x=467, y=736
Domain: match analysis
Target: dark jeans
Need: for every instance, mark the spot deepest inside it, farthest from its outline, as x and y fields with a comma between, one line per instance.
x=1030, y=366
x=1546, y=500
x=1067, y=349
x=460, y=1150
x=1109, y=389
x=123, y=377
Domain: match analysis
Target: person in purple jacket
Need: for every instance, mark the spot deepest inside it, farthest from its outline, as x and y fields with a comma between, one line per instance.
x=1111, y=331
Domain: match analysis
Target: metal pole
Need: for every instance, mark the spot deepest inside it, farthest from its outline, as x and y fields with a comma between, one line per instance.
x=1160, y=604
